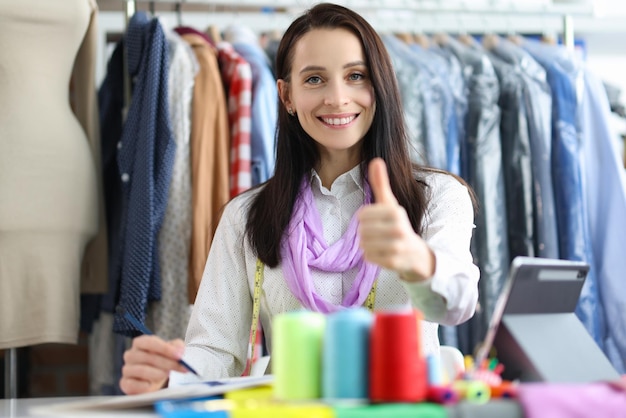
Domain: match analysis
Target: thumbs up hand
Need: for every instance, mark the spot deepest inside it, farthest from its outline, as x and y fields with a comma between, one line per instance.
x=385, y=232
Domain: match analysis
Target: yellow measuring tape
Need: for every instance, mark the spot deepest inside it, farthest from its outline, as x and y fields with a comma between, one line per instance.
x=256, y=309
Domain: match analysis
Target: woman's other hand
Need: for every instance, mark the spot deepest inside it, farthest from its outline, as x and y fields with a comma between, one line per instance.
x=148, y=362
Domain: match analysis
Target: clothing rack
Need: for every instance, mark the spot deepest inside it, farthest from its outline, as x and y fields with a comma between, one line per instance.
x=10, y=373
x=426, y=16
x=393, y=16
x=129, y=11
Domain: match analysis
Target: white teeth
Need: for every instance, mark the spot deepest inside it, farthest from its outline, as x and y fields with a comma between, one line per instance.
x=339, y=121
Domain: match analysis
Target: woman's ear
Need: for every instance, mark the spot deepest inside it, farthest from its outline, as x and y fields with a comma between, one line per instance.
x=283, y=92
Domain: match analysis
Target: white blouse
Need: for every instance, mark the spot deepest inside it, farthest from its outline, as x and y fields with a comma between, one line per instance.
x=219, y=328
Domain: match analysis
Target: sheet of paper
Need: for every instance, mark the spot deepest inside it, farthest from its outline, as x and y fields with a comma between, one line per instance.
x=195, y=390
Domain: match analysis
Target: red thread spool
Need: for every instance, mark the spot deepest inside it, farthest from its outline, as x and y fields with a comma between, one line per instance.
x=397, y=369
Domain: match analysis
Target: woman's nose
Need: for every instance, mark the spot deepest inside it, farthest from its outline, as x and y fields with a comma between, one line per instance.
x=336, y=94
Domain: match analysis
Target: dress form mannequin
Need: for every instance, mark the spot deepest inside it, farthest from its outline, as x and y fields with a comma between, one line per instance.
x=52, y=235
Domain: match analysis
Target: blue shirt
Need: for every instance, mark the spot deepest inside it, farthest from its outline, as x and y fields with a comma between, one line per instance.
x=144, y=156
x=571, y=209
x=605, y=195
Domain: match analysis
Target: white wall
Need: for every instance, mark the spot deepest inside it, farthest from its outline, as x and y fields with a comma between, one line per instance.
x=606, y=57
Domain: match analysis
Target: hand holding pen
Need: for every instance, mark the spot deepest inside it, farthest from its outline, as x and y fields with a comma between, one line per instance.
x=148, y=362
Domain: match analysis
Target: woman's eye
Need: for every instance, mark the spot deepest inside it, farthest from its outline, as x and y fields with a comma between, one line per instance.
x=356, y=76
x=314, y=80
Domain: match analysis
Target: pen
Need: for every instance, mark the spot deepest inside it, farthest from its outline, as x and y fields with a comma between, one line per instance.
x=144, y=330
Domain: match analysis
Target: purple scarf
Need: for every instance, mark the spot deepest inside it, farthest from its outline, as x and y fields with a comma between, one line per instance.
x=304, y=247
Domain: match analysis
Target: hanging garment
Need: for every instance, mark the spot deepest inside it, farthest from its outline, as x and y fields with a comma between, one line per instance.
x=538, y=105
x=411, y=84
x=432, y=101
x=564, y=77
x=264, y=109
x=50, y=192
x=458, y=89
x=605, y=196
x=439, y=71
x=168, y=317
x=209, y=156
x=237, y=79
x=516, y=160
x=140, y=170
x=110, y=103
x=483, y=165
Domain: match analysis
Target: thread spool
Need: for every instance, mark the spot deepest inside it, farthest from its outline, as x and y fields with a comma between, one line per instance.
x=397, y=370
x=474, y=391
x=259, y=393
x=390, y=410
x=435, y=373
x=345, y=358
x=444, y=395
x=506, y=389
x=282, y=410
x=296, y=355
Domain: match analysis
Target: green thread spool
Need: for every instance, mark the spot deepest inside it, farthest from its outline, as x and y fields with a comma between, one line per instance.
x=297, y=355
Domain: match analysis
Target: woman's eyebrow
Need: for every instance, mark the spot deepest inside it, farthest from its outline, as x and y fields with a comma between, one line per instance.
x=320, y=68
x=312, y=68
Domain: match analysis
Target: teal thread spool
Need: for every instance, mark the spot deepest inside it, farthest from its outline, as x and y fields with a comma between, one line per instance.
x=296, y=355
x=345, y=359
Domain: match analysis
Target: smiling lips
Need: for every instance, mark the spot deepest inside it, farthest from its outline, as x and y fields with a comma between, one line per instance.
x=338, y=121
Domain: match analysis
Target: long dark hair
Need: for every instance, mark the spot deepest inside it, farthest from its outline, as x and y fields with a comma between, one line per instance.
x=296, y=153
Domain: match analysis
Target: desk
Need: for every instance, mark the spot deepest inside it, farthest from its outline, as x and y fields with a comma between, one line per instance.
x=32, y=407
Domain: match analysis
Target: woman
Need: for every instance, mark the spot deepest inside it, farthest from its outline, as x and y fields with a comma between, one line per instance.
x=341, y=145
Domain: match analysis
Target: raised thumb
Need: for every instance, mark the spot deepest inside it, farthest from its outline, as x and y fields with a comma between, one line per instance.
x=379, y=182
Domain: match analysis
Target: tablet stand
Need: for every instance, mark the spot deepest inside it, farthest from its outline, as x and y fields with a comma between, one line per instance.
x=553, y=347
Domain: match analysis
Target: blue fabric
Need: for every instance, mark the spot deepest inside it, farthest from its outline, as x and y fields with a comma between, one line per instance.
x=144, y=158
x=516, y=160
x=605, y=195
x=484, y=173
x=458, y=89
x=110, y=104
x=264, y=112
x=574, y=244
x=538, y=104
x=411, y=84
x=431, y=96
x=443, y=104
x=456, y=83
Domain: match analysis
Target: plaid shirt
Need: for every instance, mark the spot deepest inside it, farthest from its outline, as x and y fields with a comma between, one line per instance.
x=237, y=78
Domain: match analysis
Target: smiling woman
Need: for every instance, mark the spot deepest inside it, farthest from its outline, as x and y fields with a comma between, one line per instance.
x=331, y=93
x=346, y=220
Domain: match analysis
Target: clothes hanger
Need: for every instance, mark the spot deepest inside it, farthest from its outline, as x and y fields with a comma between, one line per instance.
x=441, y=39
x=179, y=14
x=547, y=38
x=467, y=39
x=214, y=33
x=490, y=41
x=405, y=37
x=422, y=40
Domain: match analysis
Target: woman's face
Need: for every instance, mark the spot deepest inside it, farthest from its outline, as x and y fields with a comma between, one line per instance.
x=330, y=90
